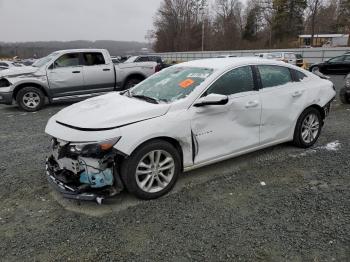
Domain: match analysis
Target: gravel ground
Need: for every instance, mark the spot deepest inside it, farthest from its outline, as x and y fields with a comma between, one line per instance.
x=277, y=204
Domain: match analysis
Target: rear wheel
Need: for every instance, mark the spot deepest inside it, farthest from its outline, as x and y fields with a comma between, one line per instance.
x=152, y=170
x=315, y=69
x=308, y=128
x=132, y=82
x=344, y=97
x=30, y=99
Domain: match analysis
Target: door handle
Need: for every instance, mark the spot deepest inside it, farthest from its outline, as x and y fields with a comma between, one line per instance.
x=252, y=104
x=106, y=69
x=76, y=72
x=297, y=93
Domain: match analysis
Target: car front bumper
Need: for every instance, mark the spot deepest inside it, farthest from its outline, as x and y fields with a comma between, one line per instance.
x=6, y=98
x=68, y=191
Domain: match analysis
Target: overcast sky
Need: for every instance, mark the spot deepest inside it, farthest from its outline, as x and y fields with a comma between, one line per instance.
x=64, y=20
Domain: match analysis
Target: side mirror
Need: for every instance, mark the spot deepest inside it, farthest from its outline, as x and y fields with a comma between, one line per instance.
x=211, y=100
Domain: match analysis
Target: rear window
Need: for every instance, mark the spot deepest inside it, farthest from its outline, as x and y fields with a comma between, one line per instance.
x=92, y=59
x=298, y=76
x=274, y=75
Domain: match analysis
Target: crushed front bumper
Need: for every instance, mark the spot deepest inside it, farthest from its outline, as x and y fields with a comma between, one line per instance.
x=75, y=191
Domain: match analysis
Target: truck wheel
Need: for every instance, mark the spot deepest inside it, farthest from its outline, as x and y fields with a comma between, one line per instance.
x=308, y=128
x=344, y=97
x=131, y=83
x=152, y=170
x=30, y=99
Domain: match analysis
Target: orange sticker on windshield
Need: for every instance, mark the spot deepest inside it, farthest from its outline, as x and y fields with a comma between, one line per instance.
x=186, y=83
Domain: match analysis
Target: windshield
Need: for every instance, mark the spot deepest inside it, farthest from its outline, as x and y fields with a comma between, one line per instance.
x=172, y=84
x=44, y=60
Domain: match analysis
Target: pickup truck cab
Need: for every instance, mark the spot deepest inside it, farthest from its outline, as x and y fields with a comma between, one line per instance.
x=68, y=75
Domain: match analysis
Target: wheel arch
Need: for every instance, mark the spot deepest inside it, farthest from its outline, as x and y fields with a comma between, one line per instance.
x=174, y=142
x=133, y=76
x=318, y=108
x=29, y=84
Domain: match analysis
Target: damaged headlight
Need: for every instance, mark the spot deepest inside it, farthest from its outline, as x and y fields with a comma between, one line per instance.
x=96, y=150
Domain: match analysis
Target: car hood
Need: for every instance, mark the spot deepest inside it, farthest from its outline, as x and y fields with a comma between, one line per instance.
x=15, y=71
x=108, y=112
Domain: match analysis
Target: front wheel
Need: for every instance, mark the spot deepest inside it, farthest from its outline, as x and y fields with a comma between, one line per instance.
x=308, y=128
x=30, y=99
x=152, y=170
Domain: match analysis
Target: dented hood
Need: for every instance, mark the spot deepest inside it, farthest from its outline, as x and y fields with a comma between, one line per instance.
x=16, y=71
x=108, y=111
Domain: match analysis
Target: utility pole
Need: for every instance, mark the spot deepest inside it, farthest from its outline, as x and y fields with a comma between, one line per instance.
x=203, y=35
x=203, y=9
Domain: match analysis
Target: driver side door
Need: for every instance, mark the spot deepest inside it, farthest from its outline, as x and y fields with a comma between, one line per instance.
x=221, y=130
x=65, y=75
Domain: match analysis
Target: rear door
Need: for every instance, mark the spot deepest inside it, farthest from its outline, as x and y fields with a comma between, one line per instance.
x=282, y=99
x=99, y=74
x=65, y=75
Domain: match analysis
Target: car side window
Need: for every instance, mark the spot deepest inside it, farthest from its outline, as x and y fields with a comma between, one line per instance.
x=67, y=60
x=336, y=59
x=298, y=76
x=3, y=64
x=235, y=81
x=347, y=58
x=274, y=75
x=92, y=59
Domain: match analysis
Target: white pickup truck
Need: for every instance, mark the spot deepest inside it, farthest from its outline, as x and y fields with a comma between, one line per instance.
x=68, y=75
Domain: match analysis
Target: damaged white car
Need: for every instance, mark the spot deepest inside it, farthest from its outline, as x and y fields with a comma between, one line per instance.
x=184, y=117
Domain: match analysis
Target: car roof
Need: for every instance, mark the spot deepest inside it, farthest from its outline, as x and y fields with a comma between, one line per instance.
x=223, y=63
x=79, y=50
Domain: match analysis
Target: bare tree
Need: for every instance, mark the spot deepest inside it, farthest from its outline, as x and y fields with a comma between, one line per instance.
x=313, y=7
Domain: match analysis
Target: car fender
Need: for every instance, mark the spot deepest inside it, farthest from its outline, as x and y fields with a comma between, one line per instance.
x=167, y=126
x=22, y=81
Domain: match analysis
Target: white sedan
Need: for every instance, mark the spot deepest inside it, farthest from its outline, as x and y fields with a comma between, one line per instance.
x=187, y=116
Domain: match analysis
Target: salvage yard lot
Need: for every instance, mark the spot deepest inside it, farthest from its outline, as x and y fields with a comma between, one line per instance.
x=277, y=204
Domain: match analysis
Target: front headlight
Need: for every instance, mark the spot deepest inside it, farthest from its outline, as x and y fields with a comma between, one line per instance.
x=95, y=150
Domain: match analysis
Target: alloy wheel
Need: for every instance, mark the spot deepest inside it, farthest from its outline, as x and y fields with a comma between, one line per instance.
x=310, y=128
x=155, y=171
x=31, y=100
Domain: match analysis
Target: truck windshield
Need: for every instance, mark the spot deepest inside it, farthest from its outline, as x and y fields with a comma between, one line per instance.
x=172, y=84
x=44, y=60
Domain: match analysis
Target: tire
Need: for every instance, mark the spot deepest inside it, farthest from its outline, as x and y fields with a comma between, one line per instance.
x=137, y=170
x=315, y=69
x=30, y=99
x=308, y=128
x=131, y=83
x=344, y=97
